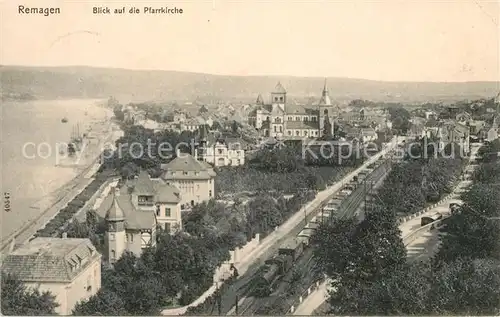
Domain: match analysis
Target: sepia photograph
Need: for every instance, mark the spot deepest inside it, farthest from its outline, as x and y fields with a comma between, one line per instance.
x=250, y=157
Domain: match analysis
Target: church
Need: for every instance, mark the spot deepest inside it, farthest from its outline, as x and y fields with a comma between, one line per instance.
x=284, y=119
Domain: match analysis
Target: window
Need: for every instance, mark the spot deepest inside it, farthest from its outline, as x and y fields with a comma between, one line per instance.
x=220, y=151
x=113, y=255
x=281, y=129
x=289, y=132
x=131, y=237
x=167, y=227
x=297, y=118
x=306, y=119
x=297, y=133
x=313, y=119
x=184, y=173
x=325, y=112
x=281, y=98
x=238, y=161
x=209, y=193
x=275, y=98
x=275, y=129
x=158, y=212
x=192, y=202
x=290, y=118
x=112, y=236
x=168, y=212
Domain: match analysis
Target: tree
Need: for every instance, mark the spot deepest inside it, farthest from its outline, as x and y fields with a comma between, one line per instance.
x=17, y=299
x=104, y=302
x=356, y=256
x=465, y=286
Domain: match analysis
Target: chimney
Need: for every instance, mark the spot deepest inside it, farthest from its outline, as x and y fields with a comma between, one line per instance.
x=178, y=152
x=65, y=235
x=196, y=154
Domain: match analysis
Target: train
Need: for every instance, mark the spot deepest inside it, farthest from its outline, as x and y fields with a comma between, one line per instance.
x=275, y=268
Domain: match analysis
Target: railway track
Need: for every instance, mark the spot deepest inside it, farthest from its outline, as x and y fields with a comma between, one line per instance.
x=272, y=304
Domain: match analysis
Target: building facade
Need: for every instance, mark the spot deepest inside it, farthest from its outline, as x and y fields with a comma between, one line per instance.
x=134, y=212
x=283, y=119
x=68, y=268
x=221, y=154
x=195, y=179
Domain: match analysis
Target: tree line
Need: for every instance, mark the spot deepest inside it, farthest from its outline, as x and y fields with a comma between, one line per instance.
x=369, y=270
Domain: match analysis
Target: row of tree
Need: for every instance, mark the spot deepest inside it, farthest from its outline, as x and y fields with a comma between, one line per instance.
x=412, y=185
x=371, y=276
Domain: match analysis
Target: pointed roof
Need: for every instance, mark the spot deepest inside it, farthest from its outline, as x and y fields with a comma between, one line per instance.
x=144, y=185
x=260, y=100
x=115, y=212
x=325, y=98
x=279, y=89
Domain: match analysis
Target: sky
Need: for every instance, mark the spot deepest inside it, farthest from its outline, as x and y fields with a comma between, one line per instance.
x=406, y=40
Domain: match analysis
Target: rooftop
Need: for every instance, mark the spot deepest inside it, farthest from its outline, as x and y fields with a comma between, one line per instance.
x=50, y=259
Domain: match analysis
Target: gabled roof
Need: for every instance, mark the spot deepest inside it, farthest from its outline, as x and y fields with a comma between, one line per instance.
x=50, y=259
x=166, y=193
x=279, y=89
x=134, y=219
x=301, y=125
x=143, y=185
x=187, y=163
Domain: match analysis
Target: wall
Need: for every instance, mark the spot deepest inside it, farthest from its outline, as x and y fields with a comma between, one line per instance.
x=68, y=294
x=222, y=273
x=196, y=190
x=175, y=218
x=77, y=290
x=58, y=290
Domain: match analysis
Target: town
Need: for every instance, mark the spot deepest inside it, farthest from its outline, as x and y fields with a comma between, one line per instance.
x=262, y=208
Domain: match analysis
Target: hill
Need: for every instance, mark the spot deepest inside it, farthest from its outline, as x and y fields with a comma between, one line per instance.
x=145, y=85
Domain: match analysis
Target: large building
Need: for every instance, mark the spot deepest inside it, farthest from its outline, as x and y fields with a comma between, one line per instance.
x=220, y=153
x=281, y=118
x=195, y=179
x=68, y=268
x=134, y=212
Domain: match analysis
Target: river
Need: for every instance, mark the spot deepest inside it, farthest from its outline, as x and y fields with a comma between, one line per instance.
x=31, y=131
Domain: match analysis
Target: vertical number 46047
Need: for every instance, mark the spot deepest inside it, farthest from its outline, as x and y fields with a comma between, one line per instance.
x=6, y=199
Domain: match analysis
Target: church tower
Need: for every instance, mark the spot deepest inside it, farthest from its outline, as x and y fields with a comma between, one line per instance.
x=278, y=97
x=325, y=109
x=115, y=234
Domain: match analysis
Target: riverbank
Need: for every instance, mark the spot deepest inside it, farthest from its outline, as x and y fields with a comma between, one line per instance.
x=59, y=184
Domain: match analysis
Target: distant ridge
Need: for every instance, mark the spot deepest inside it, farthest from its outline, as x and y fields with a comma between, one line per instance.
x=144, y=85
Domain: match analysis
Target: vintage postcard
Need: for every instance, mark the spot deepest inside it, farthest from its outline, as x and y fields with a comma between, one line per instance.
x=250, y=157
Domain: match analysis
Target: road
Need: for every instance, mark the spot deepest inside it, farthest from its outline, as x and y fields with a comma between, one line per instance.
x=269, y=245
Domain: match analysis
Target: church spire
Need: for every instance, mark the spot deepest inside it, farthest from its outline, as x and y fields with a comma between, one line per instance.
x=325, y=98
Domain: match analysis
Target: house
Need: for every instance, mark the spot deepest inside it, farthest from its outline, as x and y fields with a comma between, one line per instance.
x=476, y=126
x=220, y=153
x=68, y=268
x=195, y=179
x=430, y=114
x=191, y=124
x=368, y=135
x=463, y=116
x=454, y=132
x=284, y=119
x=134, y=212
